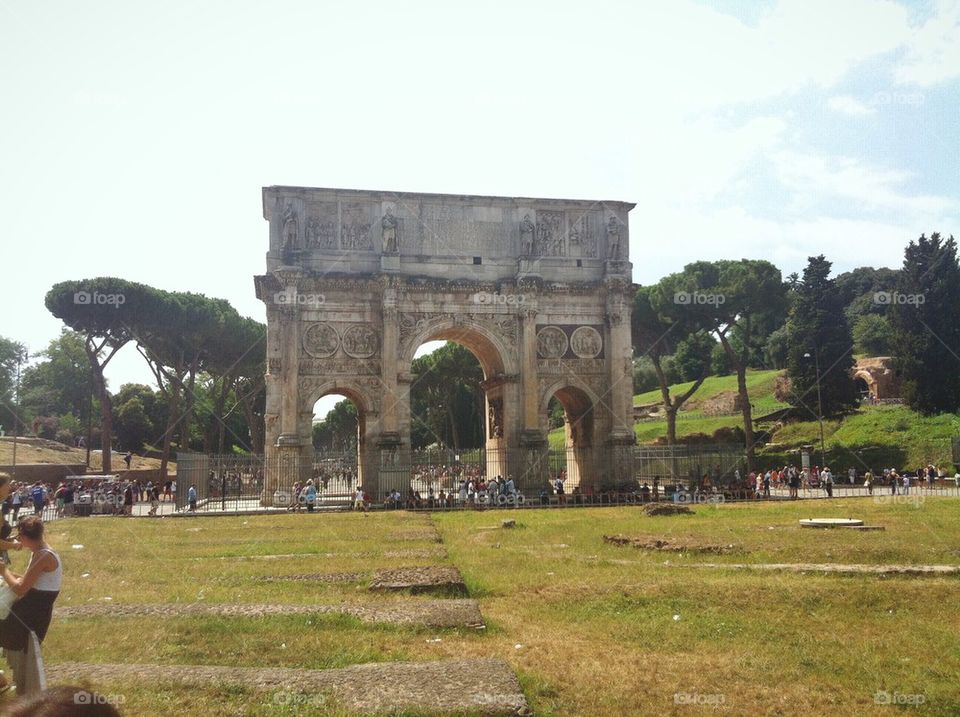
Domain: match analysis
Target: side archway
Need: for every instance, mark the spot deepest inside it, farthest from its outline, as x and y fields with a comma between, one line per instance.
x=363, y=398
x=576, y=464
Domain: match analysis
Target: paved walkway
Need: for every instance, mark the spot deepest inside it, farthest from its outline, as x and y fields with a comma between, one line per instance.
x=483, y=687
x=431, y=613
x=934, y=570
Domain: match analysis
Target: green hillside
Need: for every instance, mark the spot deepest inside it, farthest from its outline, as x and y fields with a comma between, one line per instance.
x=691, y=419
x=878, y=436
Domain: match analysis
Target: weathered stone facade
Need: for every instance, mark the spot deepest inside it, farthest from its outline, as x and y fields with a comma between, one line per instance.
x=538, y=289
x=878, y=377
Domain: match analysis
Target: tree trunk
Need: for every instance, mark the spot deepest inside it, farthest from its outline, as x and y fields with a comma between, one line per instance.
x=671, y=424
x=173, y=403
x=106, y=426
x=740, y=365
x=106, y=408
x=254, y=424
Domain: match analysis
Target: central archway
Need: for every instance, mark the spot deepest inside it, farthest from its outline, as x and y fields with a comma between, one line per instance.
x=499, y=414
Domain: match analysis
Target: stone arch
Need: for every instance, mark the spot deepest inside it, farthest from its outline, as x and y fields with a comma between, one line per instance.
x=495, y=357
x=581, y=451
x=351, y=389
x=868, y=381
x=357, y=280
x=312, y=390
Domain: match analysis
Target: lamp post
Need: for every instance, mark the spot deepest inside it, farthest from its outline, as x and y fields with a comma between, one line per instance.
x=21, y=357
x=816, y=361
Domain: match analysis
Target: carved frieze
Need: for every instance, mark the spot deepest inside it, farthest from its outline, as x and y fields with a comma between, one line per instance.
x=355, y=227
x=326, y=339
x=550, y=234
x=586, y=342
x=360, y=341
x=321, y=229
x=549, y=367
x=551, y=342
x=321, y=340
x=339, y=366
x=582, y=237
x=415, y=325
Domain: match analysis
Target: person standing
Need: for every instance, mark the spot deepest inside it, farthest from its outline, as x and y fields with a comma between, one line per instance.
x=826, y=479
x=192, y=498
x=358, y=502
x=868, y=481
x=310, y=495
x=154, y=499
x=37, y=589
x=37, y=495
x=128, y=499
x=16, y=500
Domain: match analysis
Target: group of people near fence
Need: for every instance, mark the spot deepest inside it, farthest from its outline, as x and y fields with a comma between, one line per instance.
x=816, y=478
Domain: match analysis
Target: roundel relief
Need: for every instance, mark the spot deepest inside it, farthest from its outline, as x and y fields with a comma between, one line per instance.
x=551, y=342
x=360, y=341
x=321, y=340
x=586, y=342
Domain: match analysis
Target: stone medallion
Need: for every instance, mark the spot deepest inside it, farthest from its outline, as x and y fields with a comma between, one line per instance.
x=321, y=340
x=551, y=342
x=360, y=341
x=586, y=342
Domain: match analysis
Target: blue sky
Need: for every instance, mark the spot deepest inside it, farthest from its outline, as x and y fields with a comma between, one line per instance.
x=135, y=136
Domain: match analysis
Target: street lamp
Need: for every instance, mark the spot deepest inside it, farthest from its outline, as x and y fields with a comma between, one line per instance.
x=21, y=358
x=816, y=361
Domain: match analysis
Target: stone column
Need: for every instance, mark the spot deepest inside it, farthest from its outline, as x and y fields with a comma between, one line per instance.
x=619, y=354
x=529, y=465
x=287, y=464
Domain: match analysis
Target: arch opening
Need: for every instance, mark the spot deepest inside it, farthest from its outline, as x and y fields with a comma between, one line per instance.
x=459, y=410
x=338, y=430
x=569, y=417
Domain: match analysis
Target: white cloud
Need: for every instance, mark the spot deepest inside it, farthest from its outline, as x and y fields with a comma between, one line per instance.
x=871, y=188
x=933, y=50
x=845, y=104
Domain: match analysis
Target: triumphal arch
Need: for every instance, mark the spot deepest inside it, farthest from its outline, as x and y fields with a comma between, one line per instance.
x=539, y=290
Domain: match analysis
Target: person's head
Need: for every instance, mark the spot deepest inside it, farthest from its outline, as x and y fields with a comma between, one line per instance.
x=6, y=485
x=31, y=531
x=62, y=702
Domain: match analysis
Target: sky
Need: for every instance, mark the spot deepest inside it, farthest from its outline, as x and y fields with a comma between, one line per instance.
x=135, y=136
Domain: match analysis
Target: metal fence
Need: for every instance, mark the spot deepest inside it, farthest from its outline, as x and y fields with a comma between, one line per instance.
x=447, y=479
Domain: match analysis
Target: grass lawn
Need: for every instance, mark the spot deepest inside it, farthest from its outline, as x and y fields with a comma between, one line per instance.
x=590, y=628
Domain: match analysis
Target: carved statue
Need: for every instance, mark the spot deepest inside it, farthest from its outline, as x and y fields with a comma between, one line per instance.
x=527, y=229
x=496, y=418
x=389, y=224
x=613, y=238
x=289, y=223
